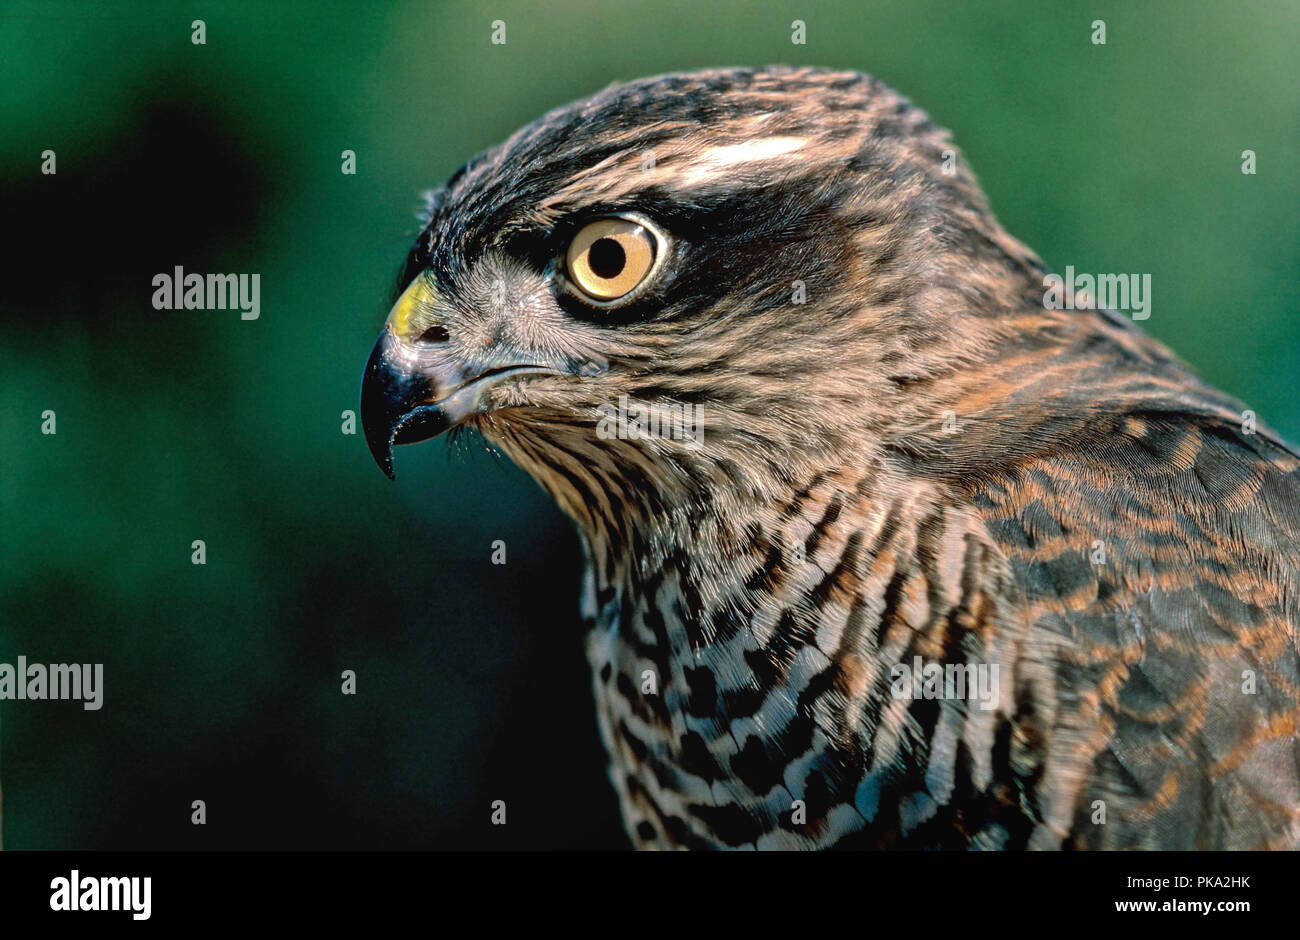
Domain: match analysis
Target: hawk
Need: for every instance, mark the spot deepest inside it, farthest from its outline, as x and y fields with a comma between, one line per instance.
x=882, y=549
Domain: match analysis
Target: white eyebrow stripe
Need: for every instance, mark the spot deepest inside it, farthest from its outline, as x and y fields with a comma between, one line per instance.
x=752, y=150
x=679, y=165
x=714, y=161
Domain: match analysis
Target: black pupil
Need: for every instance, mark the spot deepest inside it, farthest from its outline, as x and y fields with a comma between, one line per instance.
x=606, y=258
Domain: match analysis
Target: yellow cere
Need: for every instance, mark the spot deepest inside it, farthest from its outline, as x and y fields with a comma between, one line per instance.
x=404, y=319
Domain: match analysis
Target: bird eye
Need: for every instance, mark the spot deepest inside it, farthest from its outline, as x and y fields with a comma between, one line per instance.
x=610, y=257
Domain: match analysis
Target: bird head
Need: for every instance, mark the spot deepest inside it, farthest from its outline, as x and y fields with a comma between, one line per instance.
x=764, y=267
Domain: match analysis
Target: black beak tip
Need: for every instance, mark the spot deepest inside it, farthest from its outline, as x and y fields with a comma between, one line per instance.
x=395, y=406
x=384, y=459
x=379, y=413
x=379, y=439
x=418, y=424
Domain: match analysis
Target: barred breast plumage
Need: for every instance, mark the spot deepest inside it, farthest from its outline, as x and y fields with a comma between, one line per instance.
x=932, y=564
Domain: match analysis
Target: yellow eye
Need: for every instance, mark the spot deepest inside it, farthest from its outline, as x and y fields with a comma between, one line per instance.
x=610, y=257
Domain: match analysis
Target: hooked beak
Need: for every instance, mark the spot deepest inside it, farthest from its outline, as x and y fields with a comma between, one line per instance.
x=413, y=390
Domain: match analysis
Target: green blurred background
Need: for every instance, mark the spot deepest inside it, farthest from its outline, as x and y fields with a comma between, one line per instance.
x=222, y=681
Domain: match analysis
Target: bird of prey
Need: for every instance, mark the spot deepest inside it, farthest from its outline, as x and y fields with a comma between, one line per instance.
x=900, y=468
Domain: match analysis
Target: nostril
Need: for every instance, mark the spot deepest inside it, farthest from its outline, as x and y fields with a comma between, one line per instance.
x=435, y=334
